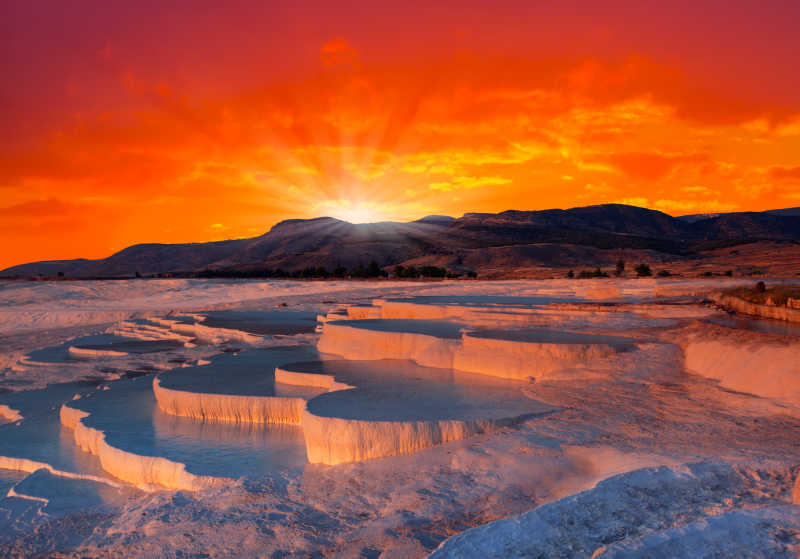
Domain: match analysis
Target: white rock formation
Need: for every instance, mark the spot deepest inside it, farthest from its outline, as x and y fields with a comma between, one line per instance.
x=9, y=414
x=145, y=472
x=504, y=358
x=698, y=510
x=332, y=440
x=328, y=382
x=86, y=353
x=788, y=313
x=521, y=359
x=359, y=343
x=229, y=407
x=745, y=361
x=26, y=465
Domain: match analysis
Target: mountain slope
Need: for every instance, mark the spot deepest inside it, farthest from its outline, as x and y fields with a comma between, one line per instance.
x=298, y=243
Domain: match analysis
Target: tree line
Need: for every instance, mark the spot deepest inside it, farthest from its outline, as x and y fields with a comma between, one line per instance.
x=371, y=271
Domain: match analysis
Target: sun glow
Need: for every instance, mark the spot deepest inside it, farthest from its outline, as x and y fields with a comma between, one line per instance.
x=353, y=212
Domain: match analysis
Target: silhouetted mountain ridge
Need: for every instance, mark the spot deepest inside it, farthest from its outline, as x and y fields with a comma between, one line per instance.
x=325, y=241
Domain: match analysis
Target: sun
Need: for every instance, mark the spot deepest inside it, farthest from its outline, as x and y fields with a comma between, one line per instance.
x=353, y=212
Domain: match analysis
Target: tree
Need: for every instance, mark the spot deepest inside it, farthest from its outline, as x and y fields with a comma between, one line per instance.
x=571, y=274
x=596, y=273
x=664, y=273
x=433, y=272
x=643, y=270
x=410, y=272
x=373, y=270
x=359, y=271
x=620, y=268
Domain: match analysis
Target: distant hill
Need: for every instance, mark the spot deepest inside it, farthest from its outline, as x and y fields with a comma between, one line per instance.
x=691, y=218
x=785, y=211
x=547, y=237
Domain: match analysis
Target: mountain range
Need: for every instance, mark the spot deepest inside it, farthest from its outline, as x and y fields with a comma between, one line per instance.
x=552, y=238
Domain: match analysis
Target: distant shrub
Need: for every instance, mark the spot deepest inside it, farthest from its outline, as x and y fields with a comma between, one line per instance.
x=571, y=274
x=406, y=272
x=729, y=273
x=371, y=271
x=707, y=274
x=620, y=269
x=761, y=287
x=643, y=270
x=359, y=271
x=756, y=272
x=433, y=272
x=426, y=272
x=664, y=273
x=472, y=274
x=596, y=273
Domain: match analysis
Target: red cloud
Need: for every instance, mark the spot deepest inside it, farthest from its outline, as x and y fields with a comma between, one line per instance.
x=651, y=166
x=785, y=173
x=337, y=51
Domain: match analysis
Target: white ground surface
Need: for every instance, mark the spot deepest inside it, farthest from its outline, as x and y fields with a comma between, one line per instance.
x=659, y=452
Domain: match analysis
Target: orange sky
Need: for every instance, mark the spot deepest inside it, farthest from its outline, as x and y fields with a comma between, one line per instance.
x=134, y=122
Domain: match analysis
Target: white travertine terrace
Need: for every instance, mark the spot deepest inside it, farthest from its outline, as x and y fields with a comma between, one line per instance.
x=388, y=309
x=229, y=407
x=328, y=440
x=517, y=358
x=359, y=343
x=30, y=466
x=362, y=312
x=523, y=359
x=158, y=330
x=746, y=361
x=333, y=440
x=328, y=382
x=375, y=409
x=87, y=353
x=787, y=313
x=208, y=334
x=567, y=314
x=143, y=471
x=9, y=414
x=610, y=414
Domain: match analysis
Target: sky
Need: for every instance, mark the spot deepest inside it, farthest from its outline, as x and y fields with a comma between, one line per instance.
x=188, y=121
